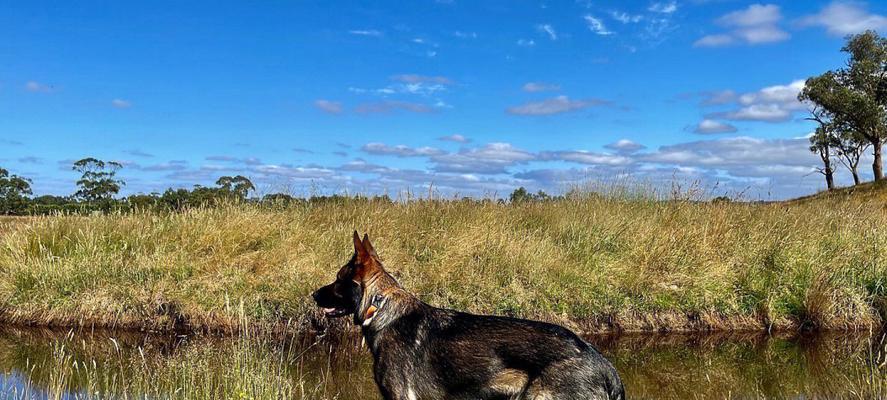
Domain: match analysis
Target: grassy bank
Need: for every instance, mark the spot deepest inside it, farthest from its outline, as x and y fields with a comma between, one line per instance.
x=592, y=263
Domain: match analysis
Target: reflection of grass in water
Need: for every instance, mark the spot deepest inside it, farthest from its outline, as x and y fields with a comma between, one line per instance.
x=830, y=367
x=665, y=367
x=245, y=370
x=240, y=368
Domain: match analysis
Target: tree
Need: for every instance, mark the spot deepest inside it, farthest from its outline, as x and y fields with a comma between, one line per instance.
x=849, y=146
x=521, y=195
x=855, y=97
x=239, y=185
x=98, y=181
x=820, y=143
x=14, y=192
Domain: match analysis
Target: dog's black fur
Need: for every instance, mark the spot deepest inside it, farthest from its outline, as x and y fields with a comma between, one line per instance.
x=422, y=352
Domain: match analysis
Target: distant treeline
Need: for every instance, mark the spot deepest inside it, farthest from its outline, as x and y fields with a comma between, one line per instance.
x=99, y=185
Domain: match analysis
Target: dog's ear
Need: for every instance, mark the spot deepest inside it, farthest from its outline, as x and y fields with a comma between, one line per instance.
x=359, y=248
x=369, y=246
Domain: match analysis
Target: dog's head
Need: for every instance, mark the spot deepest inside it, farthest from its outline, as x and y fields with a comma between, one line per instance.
x=356, y=284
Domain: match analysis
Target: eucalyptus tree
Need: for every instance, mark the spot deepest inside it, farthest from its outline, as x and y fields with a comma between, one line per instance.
x=14, y=192
x=855, y=97
x=98, y=179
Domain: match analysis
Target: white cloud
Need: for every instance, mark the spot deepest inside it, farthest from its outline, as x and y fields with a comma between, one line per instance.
x=596, y=25
x=714, y=40
x=455, y=138
x=548, y=30
x=492, y=158
x=759, y=112
x=756, y=24
x=844, y=18
x=533, y=87
x=777, y=103
x=625, y=146
x=782, y=94
x=709, y=126
x=327, y=106
x=120, y=103
x=626, y=18
x=365, y=32
x=754, y=15
x=465, y=35
x=663, y=7
x=526, y=43
x=556, y=105
x=585, y=157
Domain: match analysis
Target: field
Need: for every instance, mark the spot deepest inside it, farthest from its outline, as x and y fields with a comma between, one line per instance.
x=592, y=262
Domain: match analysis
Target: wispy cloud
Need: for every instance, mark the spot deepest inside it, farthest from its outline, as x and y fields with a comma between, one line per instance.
x=30, y=160
x=556, y=105
x=710, y=126
x=548, y=30
x=37, y=87
x=328, y=106
x=120, y=103
x=389, y=106
x=400, y=150
x=626, y=18
x=534, y=87
x=138, y=153
x=596, y=25
x=365, y=32
x=415, y=78
x=526, y=42
x=457, y=138
x=663, y=7
x=844, y=18
x=756, y=24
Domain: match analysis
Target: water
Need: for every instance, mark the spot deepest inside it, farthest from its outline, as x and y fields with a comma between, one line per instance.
x=40, y=364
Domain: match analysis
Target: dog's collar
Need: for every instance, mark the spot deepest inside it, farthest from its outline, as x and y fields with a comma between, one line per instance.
x=376, y=304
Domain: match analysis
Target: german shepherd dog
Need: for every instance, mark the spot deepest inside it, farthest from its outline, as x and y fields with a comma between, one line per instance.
x=422, y=352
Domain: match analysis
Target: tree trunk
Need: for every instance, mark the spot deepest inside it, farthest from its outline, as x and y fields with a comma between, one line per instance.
x=828, y=172
x=855, y=172
x=877, y=167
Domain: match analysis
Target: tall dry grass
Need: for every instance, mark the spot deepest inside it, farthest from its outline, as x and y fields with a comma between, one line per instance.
x=592, y=262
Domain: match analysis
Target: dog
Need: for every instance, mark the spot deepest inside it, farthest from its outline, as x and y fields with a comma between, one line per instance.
x=421, y=352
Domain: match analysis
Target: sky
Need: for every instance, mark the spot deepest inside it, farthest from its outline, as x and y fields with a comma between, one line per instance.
x=469, y=98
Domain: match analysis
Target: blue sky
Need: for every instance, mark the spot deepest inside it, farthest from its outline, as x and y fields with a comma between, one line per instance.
x=473, y=97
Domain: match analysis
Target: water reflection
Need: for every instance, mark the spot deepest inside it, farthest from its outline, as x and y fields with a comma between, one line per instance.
x=103, y=364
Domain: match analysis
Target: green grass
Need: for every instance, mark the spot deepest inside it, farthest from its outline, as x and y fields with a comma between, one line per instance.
x=593, y=263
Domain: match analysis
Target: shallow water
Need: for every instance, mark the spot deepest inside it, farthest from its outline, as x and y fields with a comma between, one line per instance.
x=41, y=364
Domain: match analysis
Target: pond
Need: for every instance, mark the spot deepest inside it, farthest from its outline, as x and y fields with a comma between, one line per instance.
x=105, y=364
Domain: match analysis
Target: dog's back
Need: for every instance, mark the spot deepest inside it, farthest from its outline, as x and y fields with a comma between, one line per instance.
x=453, y=355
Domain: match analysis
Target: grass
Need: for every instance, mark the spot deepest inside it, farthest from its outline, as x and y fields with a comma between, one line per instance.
x=595, y=263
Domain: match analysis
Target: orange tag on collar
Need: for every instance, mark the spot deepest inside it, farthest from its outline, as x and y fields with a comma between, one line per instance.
x=370, y=312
